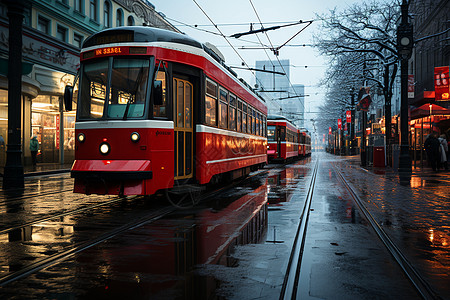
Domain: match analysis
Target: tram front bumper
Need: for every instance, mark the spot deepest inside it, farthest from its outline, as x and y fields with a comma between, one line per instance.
x=112, y=169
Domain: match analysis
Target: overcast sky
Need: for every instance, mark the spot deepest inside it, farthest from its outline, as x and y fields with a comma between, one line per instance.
x=235, y=16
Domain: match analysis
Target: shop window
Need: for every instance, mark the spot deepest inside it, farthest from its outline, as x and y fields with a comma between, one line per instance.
x=3, y=125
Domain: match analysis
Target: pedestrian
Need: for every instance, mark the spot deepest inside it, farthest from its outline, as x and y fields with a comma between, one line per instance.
x=432, y=148
x=34, y=147
x=444, y=151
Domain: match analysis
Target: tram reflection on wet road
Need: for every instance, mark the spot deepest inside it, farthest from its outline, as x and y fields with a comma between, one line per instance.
x=160, y=259
x=165, y=259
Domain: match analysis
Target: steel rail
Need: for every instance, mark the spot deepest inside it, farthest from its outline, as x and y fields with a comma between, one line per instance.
x=289, y=288
x=58, y=257
x=64, y=214
x=420, y=284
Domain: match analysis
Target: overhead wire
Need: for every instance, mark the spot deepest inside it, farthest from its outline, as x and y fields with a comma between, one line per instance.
x=271, y=44
x=226, y=39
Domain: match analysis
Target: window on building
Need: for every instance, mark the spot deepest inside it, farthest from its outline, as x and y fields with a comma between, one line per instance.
x=130, y=21
x=61, y=33
x=119, y=18
x=107, y=14
x=77, y=40
x=44, y=25
x=211, y=103
x=78, y=5
x=93, y=9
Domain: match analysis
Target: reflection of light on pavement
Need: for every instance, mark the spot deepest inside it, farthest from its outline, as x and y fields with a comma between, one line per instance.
x=416, y=182
x=431, y=238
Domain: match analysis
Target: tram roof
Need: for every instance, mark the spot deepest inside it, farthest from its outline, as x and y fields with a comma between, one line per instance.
x=138, y=34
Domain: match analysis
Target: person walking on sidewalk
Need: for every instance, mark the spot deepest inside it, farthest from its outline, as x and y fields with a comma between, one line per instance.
x=432, y=148
x=444, y=151
x=34, y=147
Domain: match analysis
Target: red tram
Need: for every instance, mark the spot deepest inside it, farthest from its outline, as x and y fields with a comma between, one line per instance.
x=282, y=138
x=156, y=109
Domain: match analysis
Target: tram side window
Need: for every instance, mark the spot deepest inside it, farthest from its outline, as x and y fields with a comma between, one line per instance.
x=258, y=124
x=223, y=108
x=271, y=133
x=232, y=115
x=244, y=118
x=254, y=122
x=93, y=90
x=160, y=109
x=239, y=116
x=211, y=103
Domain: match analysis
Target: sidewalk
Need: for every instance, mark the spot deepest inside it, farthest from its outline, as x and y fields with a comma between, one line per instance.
x=42, y=169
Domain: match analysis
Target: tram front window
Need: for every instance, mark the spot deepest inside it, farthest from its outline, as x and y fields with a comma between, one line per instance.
x=127, y=89
x=271, y=133
x=93, y=90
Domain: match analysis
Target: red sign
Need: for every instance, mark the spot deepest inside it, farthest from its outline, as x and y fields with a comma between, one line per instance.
x=441, y=87
x=329, y=130
x=348, y=116
x=411, y=86
x=339, y=124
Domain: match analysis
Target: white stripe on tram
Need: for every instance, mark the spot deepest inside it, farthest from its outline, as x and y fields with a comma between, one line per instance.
x=234, y=158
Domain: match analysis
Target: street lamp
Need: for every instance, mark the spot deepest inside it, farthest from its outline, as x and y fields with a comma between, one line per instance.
x=404, y=47
x=431, y=107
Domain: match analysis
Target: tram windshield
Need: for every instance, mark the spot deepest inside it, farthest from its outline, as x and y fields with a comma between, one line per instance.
x=127, y=89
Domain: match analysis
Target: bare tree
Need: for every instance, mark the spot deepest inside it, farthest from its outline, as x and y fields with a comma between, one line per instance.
x=361, y=45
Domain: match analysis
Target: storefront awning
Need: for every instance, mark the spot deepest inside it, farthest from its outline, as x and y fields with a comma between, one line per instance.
x=425, y=111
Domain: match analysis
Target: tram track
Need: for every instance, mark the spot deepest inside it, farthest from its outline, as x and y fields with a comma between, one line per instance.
x=289, y=288
x=416, y=279
x=82, y=246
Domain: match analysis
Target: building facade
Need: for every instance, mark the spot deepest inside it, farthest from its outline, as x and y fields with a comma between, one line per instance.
x=282, y=97
x=53, y=33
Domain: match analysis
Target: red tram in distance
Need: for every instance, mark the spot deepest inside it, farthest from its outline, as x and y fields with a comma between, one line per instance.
x=285, y=140
x=157, y=109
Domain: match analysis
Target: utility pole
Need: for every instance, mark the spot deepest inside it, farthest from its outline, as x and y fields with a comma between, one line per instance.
x=13, y=177
x=352, y=123
x=404, y=48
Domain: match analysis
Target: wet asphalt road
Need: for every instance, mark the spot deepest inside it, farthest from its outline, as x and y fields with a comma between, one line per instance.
x=236, y=246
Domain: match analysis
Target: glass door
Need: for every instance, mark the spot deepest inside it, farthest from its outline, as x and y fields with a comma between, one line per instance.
x=183, y=128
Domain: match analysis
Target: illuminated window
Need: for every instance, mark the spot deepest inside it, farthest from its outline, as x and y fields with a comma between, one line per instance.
x=161, y=110
x=244, y=117
x=223, y=109
x=211, y=103
x=232, y=112
x=239, y=116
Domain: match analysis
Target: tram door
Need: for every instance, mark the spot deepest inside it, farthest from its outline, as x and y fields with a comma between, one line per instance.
x=278, y=135
x=183, y=128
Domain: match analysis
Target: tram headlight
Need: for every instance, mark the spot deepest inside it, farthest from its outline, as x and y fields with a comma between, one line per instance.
x=81, y=137
x=105, y=148
x=135, y=137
